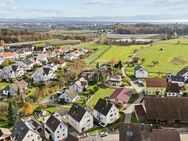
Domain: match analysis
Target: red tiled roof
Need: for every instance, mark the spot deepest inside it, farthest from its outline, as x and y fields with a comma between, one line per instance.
x=6, y=54
x=156, y=82
x=121, y=94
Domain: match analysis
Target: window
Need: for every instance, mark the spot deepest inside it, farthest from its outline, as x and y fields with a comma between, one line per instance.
x=58, y=137
x=88, y=120
x=111, y=115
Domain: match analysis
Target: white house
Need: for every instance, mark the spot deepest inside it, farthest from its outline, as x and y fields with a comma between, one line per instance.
x=25, y=131
x=105, y=112
x=68, y=96
x=43, y=75
x=80, y=119
x=55, y=128
x=140, y=72
x=80, y=85
x=6, y=55
x=115, y=80
x=70, y=57
x=38, y=50
x=176, y=79
x=183, y=73
x=12, y=72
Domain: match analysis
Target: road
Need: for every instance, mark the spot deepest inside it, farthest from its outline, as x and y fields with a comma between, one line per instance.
x=111, y=137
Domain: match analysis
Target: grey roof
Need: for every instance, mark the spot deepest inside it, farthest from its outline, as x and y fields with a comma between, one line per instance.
x=138, y=68
x=71, y=93
x=183, y=71
x=20, y=130
x=14, y=67
x=177, y=78
x=103, y=106
x=27, y=62
x=53, y=123
x=77, y=112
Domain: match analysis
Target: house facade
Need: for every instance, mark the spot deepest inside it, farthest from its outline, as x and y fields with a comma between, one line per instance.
x=24, y=131
x=68, y=96
x=80, y=119
x=155, y=86
x=55, y=129
x=183, y=73
x=140, y=72
x=105, y=112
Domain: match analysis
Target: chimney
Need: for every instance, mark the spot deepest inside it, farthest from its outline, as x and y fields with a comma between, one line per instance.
x=151, y=127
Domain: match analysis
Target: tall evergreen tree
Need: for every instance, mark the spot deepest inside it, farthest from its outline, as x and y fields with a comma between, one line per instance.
x=12, y=113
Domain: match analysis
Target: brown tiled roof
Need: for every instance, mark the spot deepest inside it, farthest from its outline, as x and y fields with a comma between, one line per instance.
x=18, y=85
x=121, y=94
x=145, y=132
x=166, y=108
x=173, y=87
x=156, y=82
x=140, y=111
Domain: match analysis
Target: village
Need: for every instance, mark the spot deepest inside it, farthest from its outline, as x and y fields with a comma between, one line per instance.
x=53, y=95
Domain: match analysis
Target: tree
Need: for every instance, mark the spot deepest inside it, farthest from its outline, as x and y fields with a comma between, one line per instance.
x=97, y=65
x=12, y=113
x=120, y=65
x=2, y=43
x=27, y=109
x=143, y=60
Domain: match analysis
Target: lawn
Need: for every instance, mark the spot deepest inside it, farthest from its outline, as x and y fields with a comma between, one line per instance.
x=171, y=59
x=31, y=91
x=3, y=85
x=101, y=93
x=133, y=118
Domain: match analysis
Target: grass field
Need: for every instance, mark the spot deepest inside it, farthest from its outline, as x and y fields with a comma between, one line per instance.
x=3, y=85
x=101, y=93
x=171, y=59
x=106, y=53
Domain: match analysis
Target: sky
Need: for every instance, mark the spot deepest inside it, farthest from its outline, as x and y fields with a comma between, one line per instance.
x=92, y=8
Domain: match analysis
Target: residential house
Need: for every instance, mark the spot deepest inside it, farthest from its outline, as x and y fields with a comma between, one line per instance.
x=176, y=79
x=105, y=112
x=43, y=75
x=89, y=76
x=80, y=119
x=61, y=63
x=6, y=55
x=68, y=96
x=24, y=131
x=115, y=80
x=183, y=73
x=165, y=110
x=5, y=134
x=120, y=96
x=70, y=56
x=40, y=59
x=135, y=60
x=145, y=132
x=155, y=86
x=12, y=72
x=38, y=50
x=80, y=85
x=140, y=72
x=16, y=88
x=29, y=64
x=173, y=89
x=55, y=128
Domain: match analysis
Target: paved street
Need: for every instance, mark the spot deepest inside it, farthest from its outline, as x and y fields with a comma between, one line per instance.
x=111, y=137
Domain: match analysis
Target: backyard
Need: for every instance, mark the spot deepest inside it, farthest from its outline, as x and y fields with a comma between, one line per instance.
x=101, y=93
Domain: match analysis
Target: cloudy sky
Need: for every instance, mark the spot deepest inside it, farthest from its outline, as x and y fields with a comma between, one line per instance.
x=90, y=8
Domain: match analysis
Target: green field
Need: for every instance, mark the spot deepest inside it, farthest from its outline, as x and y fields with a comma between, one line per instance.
x=3, y=85
x=101, y=93
x=107, y=53
x=171, y=59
